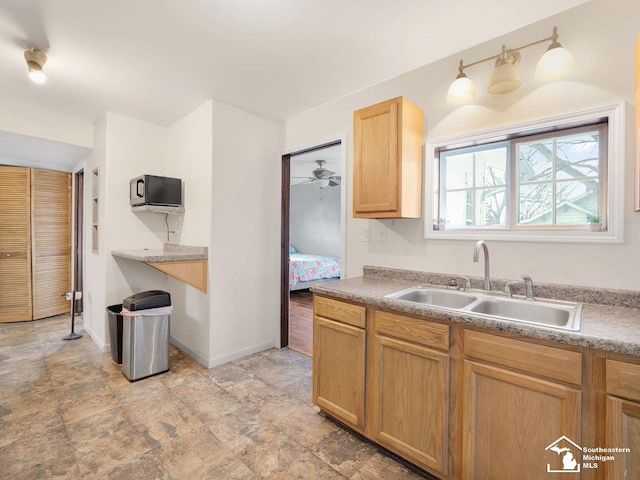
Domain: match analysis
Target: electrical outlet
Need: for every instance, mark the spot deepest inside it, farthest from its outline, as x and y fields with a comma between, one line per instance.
x=381, y=234
x=366, y=235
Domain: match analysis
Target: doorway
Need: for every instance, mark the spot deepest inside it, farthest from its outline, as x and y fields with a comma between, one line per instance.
x=78, y=237
x=312, y=234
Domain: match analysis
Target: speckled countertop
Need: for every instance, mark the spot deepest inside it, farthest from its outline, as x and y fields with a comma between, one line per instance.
x=603, y=326
x=169, y=253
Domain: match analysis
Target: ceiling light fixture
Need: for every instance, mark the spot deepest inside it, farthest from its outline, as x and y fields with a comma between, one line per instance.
x=35, y=61
x=554, y=64
x=321, y=182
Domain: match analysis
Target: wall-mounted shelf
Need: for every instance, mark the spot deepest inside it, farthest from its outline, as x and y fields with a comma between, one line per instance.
x=191, y=272
x=187, y=264
x=95, y=205
x=157, y=209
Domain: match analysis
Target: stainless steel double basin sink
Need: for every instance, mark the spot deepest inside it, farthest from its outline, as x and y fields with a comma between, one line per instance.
x=545, y=313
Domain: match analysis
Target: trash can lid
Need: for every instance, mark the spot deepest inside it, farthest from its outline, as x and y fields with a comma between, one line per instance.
x=146, y=300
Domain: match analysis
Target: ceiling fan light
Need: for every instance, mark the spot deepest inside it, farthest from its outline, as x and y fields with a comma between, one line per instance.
x=321, y=182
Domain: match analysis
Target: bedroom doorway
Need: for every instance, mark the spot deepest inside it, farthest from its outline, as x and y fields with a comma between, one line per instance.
x=312, y=247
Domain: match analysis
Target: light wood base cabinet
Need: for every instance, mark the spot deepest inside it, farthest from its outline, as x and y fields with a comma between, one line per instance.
x=339, y=360
x=515, y=407
x=623, y=431
x=466, y=404
x=408, y=400
x=623, y=419
x=509, y=420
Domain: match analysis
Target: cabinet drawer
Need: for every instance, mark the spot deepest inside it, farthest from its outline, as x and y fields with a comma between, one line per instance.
x=415, y=330
x=623, y=379
x=550, y=362
x=341, y=311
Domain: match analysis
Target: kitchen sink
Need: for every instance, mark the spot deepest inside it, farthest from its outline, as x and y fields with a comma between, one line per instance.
x=556, y=315
x=435, y=297
x=545, y=313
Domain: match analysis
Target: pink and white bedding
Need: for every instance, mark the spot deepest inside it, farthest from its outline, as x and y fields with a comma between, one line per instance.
x=304, y=268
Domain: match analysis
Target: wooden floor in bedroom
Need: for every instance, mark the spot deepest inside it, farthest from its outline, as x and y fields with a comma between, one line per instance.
x=301, y=322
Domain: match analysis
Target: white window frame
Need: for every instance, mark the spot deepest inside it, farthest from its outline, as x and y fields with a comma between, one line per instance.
x=615, y=162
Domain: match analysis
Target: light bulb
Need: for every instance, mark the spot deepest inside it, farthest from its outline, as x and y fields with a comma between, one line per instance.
x=556, y=63
x=37, y=76
x=504, y=79
x=461, y=91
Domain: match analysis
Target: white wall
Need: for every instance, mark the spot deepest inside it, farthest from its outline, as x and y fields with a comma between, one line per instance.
x=189, y=157
x=46, y=126
x=95, y=278
x=602, y=40
x=133, y=149
x=315, y=220
x=228, y=160
x=125, y=148
x=244, y=260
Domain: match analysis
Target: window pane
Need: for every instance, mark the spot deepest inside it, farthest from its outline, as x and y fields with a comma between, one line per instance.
x=491, y=206
x=576, y=200
x=556, y=175
x=459, y=208
x=491, y=167
x=535, y=161
x=458, y=171
x=578, y=156
x=534, y=205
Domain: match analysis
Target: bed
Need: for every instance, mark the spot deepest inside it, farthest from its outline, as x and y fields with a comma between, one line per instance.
x=306, y=269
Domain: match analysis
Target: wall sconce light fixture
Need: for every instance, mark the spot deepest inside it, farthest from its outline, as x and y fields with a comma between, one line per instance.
x=554, y=64
x=35, y=62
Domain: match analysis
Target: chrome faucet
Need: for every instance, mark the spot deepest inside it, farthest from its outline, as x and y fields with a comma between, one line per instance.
x=466, y=281
x=508, y=286
x=476, y=258
x=528, y=287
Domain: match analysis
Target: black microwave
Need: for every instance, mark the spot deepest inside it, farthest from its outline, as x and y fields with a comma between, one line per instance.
x=154, y=190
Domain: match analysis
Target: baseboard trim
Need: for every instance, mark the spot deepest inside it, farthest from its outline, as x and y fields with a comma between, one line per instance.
x=214, y=362
x=104, y=347
x=201, y=359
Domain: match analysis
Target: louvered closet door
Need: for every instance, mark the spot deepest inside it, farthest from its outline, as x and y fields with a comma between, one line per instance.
x=15, y=246
x=51, y=241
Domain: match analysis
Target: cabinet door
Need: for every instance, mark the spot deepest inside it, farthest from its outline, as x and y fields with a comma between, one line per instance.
x=338, y=370
x=51, y=238
x=375, y=176
x=409, y=401
x=623, y=431
x=15, y=246
x=509, y=421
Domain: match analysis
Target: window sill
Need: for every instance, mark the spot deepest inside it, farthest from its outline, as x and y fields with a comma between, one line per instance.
x=566, y=236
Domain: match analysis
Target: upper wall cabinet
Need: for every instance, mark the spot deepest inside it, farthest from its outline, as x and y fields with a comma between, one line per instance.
x=387, y=160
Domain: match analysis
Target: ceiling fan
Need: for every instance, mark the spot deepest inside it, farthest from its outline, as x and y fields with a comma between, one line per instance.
x=321, y=177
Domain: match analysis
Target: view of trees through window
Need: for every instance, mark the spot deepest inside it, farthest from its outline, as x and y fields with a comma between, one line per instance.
x=537, y=181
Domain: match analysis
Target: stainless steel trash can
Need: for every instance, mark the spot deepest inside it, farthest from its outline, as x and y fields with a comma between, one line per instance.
x=145, y=336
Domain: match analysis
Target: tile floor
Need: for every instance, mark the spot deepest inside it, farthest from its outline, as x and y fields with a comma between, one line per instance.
x=66, y=412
